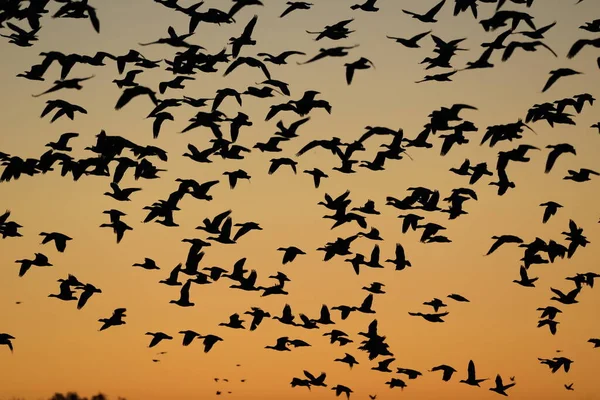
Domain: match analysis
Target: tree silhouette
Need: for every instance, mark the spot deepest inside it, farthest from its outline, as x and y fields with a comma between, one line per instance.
x=75, y=396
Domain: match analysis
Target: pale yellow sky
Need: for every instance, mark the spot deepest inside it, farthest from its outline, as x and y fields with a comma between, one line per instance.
x=59, y=348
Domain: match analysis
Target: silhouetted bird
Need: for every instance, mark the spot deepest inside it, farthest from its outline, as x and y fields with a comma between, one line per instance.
x=429, y=16
x=500, y=388
x=471, y=379
x=60, y=240
x=447, y=371
x=5, y=339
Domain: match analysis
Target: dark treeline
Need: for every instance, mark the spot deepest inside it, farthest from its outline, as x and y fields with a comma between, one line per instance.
x=75, y=396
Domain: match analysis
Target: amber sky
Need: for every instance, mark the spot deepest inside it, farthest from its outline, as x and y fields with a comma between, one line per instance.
x=59, y=348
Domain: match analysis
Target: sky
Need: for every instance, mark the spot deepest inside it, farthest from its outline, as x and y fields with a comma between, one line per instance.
x=59, y=348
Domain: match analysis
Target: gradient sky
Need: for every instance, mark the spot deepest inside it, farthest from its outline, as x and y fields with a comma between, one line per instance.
x=59, y=348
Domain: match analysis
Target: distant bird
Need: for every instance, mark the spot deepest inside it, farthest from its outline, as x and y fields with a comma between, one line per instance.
x=87, y=291
x=147, y=264
x=74, y=83
x=290, y=253
x=64, y=108
x=557, y=74
x=551, y=208
x=429, y=16
x=445, y=77
x=339, y=389
x=435, y=303
x=595, y=342
x=430, y=317
x=557, y=151
x=60, y=240
x=447, y=371
x=114, y=320
x=525, y=280
x=552, y=325
x=413, y=42
x=538, y=33
x=500, y=240
x=569, y=298
x=549, y=312
x=5, y=339
x=281, y=58
x=78, y=9
x=361, y=63
x=400, y=261
x=570, y=385
x=471, y=378
x=347, y=359
x=582, y=175
x=375, y=287
x=368, y=5
x=458, y=297
x=40, y=260
x=184, y=299
x=188, y=337
x=580, y=44
x=121, y=194
x=500, y=388
x=411, y=373
x=209, y=341
x=157, y=337
x=527, y=46
x=295, y=5
x=62, y=143
x=317, y=175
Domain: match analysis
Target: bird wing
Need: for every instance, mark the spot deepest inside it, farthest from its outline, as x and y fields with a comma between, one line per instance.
x=509, y=50
x=546, y=28
x=264, y=69
x=552, y=157
x=319, y=56
x=219, y=218
x=185, y=291
x=287, y=11
x=94, y=18
x=61, y=244
x=241, y=232
x=375, y=254
x=548, y=47
x=551, y=81
x=420, y=36
x=367, y=302
x=275, y=109
x=523, y=273
x=309, y=146
x=83, y=298
x=309, y=376
x=296, y=124
x=400, y=254
x=325, y=313
x=349, y=73
x=274, y=165
x=234, y=65
x=431, y=13
x=577, y=46
x=499, y=381
x=175, y=272
x=226, y=228
x=250, y=27
x=471, y=370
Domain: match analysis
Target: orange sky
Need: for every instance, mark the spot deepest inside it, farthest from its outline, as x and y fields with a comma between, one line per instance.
x=58, y=348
